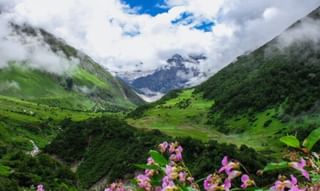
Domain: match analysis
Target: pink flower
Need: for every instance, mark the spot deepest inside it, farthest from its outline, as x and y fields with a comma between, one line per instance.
x=172, y=147
x=227, y=184
x=182, y=176
x=211, y=183
x=228, y=166
x=116, y=187
x=246, y=181
x=171, y=172
x=190, y=179
x=167, y=183
x=300, y=167
x=150, y=161
x=233, y=174
x=176, y=157
x=149, y=172
x=144, y=182
x=208, y=184
x=179, y=153
x=292, y=185
x=163, y=146
x=40, y=187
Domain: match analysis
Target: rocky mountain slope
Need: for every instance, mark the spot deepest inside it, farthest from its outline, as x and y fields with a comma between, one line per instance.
x=177, y=73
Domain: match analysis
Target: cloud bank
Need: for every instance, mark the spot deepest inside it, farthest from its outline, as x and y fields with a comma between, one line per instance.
x=31, y=51
x=120, y=38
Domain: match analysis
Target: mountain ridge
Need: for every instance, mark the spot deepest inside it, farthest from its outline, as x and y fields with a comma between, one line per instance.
x=177, y=73
x=254, y=100
x=85, y=80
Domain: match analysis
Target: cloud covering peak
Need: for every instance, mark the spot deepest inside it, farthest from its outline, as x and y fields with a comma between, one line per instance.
x=120, y=37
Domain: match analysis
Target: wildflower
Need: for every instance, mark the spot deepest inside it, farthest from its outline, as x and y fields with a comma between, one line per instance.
x=300, y=167
x=182, y=176
x=167, y=184
x=228, y=166
x=176, y=157
x=227, y=184
x=172, y=147
x=179, y=153
x=150, y=161
x=211, y=183
x=149, y=172
x=190, y=179
x=144, y=182
x=246, y=181
x=171, y=172
x=291, y=185
x=40, y=187
x=233, y=174
x=116, y=187
x=163, y=146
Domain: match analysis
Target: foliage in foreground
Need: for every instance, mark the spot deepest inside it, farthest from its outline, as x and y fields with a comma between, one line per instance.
x=169, y=175
x=108, y=147
x=166, y=171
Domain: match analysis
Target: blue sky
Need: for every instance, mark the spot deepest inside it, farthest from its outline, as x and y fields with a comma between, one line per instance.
x=151, y=7
x=155, y=7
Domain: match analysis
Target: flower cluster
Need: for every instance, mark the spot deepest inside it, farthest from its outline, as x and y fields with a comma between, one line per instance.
x=174, y=149
x=165, y=171
x=117, y=187
x=232, y=170
x=282, y=184
x=40, y=187
x=174, y=173
x=300, y=167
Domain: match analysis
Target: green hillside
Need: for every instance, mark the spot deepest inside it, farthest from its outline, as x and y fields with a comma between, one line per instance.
x=35, y=106
x=24, y=126
x=87, y=86
x=252, y=101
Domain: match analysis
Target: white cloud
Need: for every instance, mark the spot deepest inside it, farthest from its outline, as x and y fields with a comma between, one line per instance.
x=306, y=31
x=31, y=51
x=102, y=28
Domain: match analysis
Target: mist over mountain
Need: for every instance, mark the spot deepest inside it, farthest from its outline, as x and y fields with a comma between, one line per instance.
x=179, y=72
x=37, y=66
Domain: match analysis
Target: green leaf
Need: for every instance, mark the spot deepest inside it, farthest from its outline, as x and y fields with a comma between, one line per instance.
x=315, y=178
x=312, y=139
x=276, y=166
x=189, y=188
x=158, y=158
x=290, y=141
x=149, y=167
x=4, y=170
x=156, y=180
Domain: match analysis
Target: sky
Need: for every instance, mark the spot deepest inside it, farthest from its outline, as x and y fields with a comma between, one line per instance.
x=131, y=35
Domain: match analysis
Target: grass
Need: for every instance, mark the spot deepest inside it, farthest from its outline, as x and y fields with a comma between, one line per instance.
x=22, y=121
x=88, y=79
x=19, y=81
x=173, y=120
x=170, y=116
x=177, y=120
